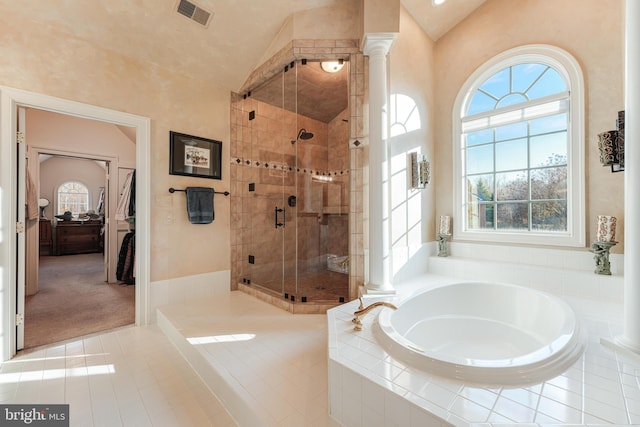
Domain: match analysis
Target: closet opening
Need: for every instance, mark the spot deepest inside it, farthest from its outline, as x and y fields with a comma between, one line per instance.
x=80, y=275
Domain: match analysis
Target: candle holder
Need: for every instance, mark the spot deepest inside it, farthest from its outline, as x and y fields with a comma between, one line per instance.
x=442, y=244
x=600, y=252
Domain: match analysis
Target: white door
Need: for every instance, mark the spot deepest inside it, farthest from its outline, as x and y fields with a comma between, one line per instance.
x=105, y=228
x=20, y=215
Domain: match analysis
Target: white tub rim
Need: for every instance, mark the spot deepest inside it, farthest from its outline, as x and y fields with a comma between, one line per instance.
x=555, y=357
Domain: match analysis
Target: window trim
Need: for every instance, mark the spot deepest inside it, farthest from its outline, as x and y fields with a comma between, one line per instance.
x=567, y=66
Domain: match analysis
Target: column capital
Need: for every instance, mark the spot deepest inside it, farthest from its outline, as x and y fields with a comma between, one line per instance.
x=377, y=43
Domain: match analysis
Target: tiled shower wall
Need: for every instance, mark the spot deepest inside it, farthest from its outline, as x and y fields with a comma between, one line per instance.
x=334, y=226
x=351, y=165
x=358, y=179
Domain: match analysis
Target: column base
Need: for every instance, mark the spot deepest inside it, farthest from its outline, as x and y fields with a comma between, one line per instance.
x=622, y=345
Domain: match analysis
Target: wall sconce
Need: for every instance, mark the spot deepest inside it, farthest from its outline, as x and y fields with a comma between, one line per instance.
x=332, y=66
x=611, y=146
x=420, y=171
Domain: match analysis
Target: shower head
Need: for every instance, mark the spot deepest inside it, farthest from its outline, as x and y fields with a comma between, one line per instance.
x=303, y=134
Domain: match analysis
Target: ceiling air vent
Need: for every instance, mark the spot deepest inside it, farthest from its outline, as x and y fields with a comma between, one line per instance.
x=194, y=12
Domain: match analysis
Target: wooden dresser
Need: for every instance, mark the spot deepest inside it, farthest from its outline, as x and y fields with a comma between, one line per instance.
x=77, y=237
x=46, y=239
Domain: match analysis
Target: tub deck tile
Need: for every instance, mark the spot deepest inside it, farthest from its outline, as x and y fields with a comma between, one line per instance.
x=601, y=387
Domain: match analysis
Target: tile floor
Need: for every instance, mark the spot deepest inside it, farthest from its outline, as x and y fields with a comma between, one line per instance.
x=131, y=376
x=269, y=366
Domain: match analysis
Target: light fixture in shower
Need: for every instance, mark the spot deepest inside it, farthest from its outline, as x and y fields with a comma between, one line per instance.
x=332, y=66
x=438, y=2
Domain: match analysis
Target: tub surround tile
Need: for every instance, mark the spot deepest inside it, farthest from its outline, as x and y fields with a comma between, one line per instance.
x=570, y=273
x=602, y=387
x=514, y=410
x=522, y=396
x=483, y=397
x=469, y=410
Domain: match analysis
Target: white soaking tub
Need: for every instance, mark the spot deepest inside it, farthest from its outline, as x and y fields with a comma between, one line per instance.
x=483, y=333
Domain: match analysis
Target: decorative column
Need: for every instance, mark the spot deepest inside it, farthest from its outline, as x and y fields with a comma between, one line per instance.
x=631, y=337
x=377, y=46
x=630, y=340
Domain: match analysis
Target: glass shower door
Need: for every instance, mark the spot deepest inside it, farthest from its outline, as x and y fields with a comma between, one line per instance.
x=289, y=181
x=270, y=186
x=264, y=251
x=322, y=154
x=295, y=173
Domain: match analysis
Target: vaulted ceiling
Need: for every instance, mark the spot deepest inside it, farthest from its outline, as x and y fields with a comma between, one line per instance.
x=228, y=49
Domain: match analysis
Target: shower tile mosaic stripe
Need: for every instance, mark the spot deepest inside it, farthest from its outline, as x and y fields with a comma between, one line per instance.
x=287, y=168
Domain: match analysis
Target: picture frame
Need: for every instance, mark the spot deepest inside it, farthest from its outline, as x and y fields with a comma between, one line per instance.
x=194, y=156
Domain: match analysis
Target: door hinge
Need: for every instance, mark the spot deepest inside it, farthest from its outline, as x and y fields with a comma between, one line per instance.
x=19, y=319
x=20, y=137
x=19, y=227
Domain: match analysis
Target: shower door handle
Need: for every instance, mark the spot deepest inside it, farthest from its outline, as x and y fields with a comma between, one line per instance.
x=277, y=211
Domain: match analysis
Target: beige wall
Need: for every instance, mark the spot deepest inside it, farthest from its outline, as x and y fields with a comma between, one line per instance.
x=321, y=23
x=38, y=59
x=590, y=30
x=77, y=135
x=381, y=16
x=411, y=73
x=81, y=137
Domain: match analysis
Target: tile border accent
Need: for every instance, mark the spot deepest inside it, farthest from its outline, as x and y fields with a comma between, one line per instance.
x=287, y=168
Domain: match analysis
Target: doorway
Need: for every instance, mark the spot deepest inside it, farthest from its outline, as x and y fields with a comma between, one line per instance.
x=74, y=293
x=10, y=100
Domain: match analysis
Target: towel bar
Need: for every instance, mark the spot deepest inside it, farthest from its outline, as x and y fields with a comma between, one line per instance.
x=173, y=190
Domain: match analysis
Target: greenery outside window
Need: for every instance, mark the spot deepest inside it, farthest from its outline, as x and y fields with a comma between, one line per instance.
x=73, y=196
x=519, y=157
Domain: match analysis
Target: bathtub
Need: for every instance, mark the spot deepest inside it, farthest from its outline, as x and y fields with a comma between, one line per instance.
x=485, y=333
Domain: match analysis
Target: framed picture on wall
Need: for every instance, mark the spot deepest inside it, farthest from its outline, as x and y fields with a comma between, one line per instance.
x=194, y=156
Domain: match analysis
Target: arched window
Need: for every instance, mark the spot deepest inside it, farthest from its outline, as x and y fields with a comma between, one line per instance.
x=73, y=196
x=519, y=150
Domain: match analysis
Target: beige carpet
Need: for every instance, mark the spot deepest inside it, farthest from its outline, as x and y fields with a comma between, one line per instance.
x=73, y=301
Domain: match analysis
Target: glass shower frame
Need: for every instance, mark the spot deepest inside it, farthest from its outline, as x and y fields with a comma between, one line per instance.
x=295, y=196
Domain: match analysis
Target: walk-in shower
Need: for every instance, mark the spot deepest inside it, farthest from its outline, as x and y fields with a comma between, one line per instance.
x=292, y=179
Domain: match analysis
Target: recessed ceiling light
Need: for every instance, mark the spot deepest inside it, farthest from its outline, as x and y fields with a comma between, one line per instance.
x=438, y=2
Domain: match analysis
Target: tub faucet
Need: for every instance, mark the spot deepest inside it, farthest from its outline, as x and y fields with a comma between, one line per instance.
x=362, y=310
